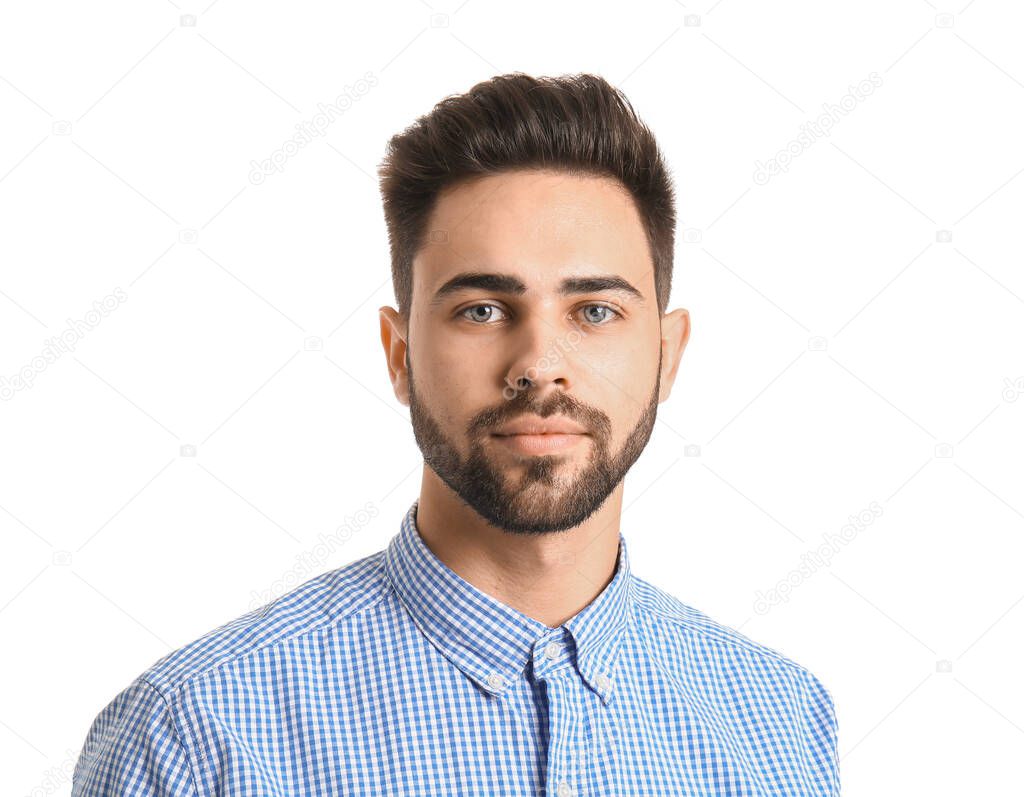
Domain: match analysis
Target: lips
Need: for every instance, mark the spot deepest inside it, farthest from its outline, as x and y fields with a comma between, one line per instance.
x=540, y=426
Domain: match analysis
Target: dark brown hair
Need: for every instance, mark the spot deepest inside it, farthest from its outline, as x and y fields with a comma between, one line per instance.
x=578, y=124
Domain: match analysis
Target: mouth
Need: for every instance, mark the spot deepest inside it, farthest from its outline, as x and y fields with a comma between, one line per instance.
x=535, y=425
x=546, y=443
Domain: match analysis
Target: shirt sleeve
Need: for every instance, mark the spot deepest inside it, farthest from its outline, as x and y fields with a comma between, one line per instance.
x=821, y=733
x=133, y=748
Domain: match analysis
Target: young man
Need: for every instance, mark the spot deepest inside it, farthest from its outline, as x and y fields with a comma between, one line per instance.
x=500, y=644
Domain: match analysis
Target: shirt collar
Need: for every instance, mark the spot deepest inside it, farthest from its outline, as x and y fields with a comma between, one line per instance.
x=492, y=643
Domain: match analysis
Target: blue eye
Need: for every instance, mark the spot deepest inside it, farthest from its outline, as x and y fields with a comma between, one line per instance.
x=609, y=313
x=477, y=317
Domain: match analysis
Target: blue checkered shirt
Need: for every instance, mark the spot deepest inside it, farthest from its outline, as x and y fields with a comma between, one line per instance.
x=392, y=675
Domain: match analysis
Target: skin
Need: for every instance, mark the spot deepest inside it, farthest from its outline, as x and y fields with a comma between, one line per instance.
x=537, y=531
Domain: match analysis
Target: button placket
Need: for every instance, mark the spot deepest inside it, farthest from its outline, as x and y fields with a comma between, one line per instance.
x=564, y=727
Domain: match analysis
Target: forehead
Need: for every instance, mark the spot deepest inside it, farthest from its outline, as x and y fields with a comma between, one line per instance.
x=539, y=225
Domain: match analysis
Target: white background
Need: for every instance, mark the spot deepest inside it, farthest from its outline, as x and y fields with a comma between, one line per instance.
x=857, y=338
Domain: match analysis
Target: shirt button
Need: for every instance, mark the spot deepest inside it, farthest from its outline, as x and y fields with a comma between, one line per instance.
x=495, y=681
x=564, y=789
x=553, y=650
x=603, y=681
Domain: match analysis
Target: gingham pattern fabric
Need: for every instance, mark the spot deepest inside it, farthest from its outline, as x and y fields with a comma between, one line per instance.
x=392, y=675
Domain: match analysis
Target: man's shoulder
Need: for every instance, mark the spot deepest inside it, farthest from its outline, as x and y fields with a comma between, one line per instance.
x=682, y=632
x=334, y=597
x=767, y=697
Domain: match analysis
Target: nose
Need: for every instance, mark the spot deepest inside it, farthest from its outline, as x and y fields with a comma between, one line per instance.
x=540, y=359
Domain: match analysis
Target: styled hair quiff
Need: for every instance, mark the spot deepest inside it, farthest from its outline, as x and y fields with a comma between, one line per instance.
x=578, y=124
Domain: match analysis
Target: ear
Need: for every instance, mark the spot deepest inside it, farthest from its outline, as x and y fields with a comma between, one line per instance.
x=394, y=335
x=675, y=333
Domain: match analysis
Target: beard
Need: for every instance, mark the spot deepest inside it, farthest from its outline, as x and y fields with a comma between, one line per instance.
x=547, y=498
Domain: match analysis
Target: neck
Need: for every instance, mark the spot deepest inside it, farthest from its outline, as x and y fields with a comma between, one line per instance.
x=549, y=577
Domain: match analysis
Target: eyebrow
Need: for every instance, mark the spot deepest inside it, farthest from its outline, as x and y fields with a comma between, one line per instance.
x=507, y=283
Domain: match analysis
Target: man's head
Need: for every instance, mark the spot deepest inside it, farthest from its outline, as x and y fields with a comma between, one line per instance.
x=531, y=224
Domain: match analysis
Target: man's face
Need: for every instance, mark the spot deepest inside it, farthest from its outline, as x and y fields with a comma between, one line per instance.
x=563, y=256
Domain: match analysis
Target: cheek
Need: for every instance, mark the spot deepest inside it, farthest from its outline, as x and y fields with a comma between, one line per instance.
x=609, y=369
x=458, y=376
x=619, y=383
x=458, y=363
x=630, y=358
x=453, y=386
